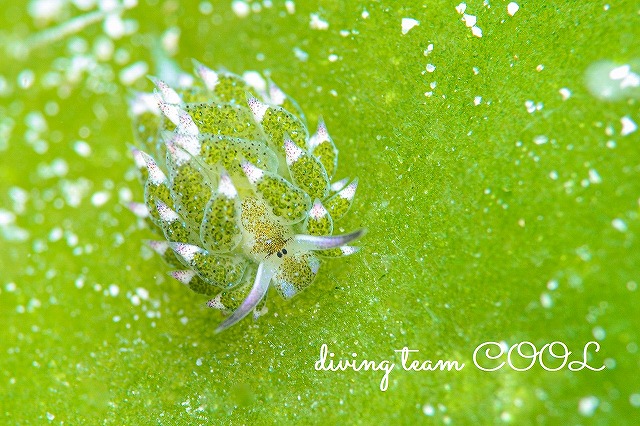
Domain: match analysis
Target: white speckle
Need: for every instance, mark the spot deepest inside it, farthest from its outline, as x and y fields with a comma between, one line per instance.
x=476, y=31
x=553, y=175
x=114, y=290
x=6, y=217
x=619, y=225
x=431, y=68
x=552, y=285
x=634, y=399
x=46, y=10
x=333, y=57
x=512, y=8
x=72, y=239
x=114, y=26
x=143, y=293
x=476, y=71
x=79, y=283
x=290, y=6
x=565, y=93
x=133, y=72
x=433, y=84
x=55, y=234
x=205, y=8
x=116, y=318
x=300, y=54
x=135, y=300
x=408, y=24
x=594, y=177
x=477, y=100
x=199, y=362
x=469, y=20
x=26, y=78
x=540, y=67
x=587, y=405
x=620, y=72
x=240, y=8
x=100, y=198
x=36, y=122
x=365, y=14
x=50, y=416
x=316, y=23
x=599, y=333
x=184, y=320
x=632, y=286
x=628, y=125
x=428, y=50
x=546, y=301
x=428, y=94
x=540, y=140
x=532, y=106
x=609, y=130
x=82, y=148
x=10, y=287
x=428, y=410
x=461, y=8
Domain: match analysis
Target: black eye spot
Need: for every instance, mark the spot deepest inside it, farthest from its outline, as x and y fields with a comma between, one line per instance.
x=284, y=251
x=279, y=254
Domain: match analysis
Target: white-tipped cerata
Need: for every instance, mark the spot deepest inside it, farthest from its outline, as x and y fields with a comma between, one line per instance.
x=258, y=109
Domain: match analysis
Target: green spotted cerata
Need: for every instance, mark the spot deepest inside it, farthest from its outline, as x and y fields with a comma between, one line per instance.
x=242, y=195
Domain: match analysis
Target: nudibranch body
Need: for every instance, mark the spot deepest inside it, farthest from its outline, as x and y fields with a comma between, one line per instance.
x=240, y=191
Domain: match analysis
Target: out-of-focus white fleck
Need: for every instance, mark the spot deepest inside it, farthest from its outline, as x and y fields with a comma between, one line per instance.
x=317, y=23
x=565, y=93
x=290, y=6
x=240, y=8
x=100, y=198
x=407, y=24
x=619, y=225
x=133, y=72
x=82, y=148
x=587, y=405
x=469, y=20
x=628, y=125
x=300, y=54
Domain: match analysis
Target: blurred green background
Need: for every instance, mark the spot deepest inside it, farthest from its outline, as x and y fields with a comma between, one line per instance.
x=498, y=181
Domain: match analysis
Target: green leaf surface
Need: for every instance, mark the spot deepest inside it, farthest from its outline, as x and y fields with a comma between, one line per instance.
x=498, y=180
